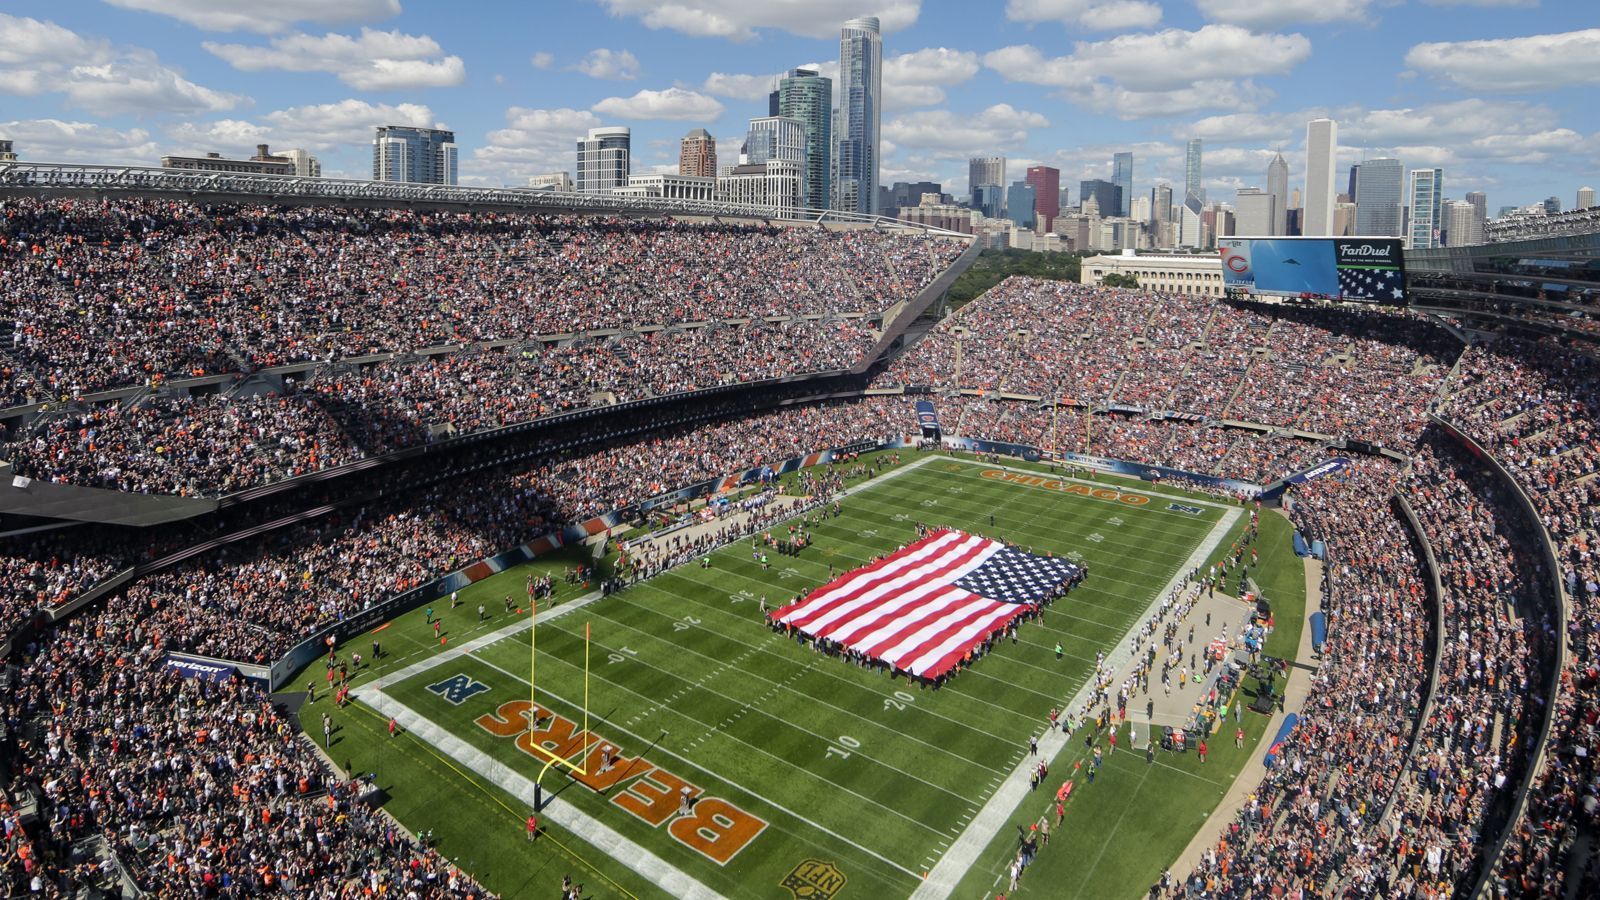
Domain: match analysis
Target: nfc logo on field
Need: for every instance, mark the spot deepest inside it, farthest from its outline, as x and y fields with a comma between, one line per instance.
x=458, y=688
x=814, y=879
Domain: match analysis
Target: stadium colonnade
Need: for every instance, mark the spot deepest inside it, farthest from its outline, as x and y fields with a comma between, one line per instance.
x=385, y=394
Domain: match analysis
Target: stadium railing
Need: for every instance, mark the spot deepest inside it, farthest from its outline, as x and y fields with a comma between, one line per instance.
x=192, y=184
x=1435, y=592
x=1557, y=597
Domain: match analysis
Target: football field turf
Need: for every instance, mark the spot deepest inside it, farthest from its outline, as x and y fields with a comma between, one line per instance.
x=794, y=756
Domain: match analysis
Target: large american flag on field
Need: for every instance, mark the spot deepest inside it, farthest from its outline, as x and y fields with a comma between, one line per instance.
x=921, y=609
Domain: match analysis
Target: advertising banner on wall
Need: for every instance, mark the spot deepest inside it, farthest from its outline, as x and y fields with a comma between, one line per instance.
x=1357, y=269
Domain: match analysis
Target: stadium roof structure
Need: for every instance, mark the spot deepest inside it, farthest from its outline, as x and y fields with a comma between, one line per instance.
x=1547, y=285
x=248, y=187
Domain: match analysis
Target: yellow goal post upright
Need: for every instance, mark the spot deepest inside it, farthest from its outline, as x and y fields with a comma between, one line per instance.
x=551, y=758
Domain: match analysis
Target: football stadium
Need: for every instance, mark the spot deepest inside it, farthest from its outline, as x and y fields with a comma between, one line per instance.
x=409, y=538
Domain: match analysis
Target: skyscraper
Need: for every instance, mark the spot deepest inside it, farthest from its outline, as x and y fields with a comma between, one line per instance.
x=1161, y=221
x=1379, y=186
x=1254, y=212
x=1122, y=177
x=420, y=155
x=982, y=170
x=1278, y=187
x=604, y=159
x=697, y=155
x=1322, y=141
x=1107, y=197
x=990, y=200
x=1480, y=203
x=1585, y=197
x=1020, y=199
x=1460, y=228
x=1193, y=182
x=855, y=185
x=1427, y=195
x=804, y=95
x=1046, y=183
x=775, y=137
x=1552, y=205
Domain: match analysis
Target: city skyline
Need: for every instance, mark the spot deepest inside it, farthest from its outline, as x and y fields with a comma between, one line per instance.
x=1042, y=83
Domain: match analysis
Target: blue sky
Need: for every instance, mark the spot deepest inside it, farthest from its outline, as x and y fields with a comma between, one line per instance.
x=1497, y=92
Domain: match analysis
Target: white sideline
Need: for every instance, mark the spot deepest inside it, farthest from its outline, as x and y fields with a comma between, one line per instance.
x=653, y=868
x=963, y=854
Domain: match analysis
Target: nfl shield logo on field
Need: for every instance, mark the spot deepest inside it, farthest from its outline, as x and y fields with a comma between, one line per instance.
x=814, y=879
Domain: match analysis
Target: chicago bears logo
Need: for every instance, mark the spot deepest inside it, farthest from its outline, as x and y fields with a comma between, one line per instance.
x=457, y=688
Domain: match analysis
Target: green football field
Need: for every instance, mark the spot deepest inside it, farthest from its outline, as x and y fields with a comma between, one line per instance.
x=805, y=768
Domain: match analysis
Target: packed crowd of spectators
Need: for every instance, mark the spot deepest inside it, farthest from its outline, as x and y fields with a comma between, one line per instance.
x=200, y=788
x=1536, y=407
x=47, y=569
x=1198, y=447
x=1475, y=745
x=105, y=294
x=1312, y=369
x=102, y=295
x=1317, y=814
x=192, y=445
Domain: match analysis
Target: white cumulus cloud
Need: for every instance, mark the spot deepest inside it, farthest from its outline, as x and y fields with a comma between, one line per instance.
x=615, y=65
x=1159, y=73
x=919, y=78
x=672, y=103
x=739, y=19
x=942, y=132
x=1099, y=15
x=39, y=57
x=739, y=87
x=265, y=18
x=375, y=60
x=55, y=140
x=1533, y=63
x=1276, y=13
x=534, y=142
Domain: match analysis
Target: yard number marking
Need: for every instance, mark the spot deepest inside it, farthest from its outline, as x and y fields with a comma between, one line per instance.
x=838, y=748
x=900, y=700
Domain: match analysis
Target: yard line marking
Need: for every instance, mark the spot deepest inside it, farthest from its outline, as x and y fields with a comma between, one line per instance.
x=826, y=671
x=662, y=748
x=780, y=721
x=810, y=698
x=602, y=837
x=830, y=785
x=997, y=810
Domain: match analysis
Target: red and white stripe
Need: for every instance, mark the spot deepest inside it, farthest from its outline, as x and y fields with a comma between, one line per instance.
x=906, y=609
